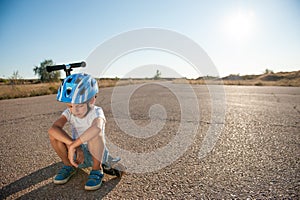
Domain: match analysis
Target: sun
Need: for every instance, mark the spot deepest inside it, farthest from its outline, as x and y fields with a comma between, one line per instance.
x=240, y=25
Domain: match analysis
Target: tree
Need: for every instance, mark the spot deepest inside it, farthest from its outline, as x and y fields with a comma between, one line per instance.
x=157, y=75
x=45, y=76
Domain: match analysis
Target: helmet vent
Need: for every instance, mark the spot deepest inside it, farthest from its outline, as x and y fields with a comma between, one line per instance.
x=82, y=91
x=78, y=80
x=69, y=79
x=69, y=90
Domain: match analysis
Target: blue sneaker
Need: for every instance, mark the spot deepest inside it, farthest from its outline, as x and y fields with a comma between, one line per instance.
x=94, y=180
x=64, y=174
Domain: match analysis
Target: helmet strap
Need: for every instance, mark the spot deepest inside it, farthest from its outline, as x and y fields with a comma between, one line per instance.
x=88, y=108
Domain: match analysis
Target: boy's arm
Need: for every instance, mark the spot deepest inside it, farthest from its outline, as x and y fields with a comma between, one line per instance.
x=94, y=130
x=57, y=131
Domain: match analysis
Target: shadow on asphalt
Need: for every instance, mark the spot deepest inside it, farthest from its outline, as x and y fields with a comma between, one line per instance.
x=74, y=189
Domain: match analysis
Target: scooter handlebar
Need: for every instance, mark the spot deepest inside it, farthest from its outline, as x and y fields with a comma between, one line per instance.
x=52, y=68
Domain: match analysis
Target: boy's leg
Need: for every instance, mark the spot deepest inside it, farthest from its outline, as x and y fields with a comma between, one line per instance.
x=66, y=172
x=96, y=149
x=61, y=150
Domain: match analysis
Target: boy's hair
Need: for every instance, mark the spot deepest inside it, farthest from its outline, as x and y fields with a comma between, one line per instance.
x=77, y=88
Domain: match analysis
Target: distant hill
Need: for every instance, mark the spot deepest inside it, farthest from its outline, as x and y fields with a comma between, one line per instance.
x=266, y=79
x=276, y=79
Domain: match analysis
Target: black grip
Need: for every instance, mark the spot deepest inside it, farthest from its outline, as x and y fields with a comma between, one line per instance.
x=65, y=67
x=80, y=64
x=55, y=67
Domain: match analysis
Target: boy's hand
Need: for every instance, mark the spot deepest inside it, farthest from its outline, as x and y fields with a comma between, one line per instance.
x=71, y=154
x=79, y=156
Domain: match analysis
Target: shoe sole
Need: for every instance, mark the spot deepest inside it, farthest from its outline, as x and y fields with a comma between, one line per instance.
x=91, y=188
x=60, y=182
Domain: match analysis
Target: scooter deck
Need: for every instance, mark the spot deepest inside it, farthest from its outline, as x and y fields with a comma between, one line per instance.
x=109, y=167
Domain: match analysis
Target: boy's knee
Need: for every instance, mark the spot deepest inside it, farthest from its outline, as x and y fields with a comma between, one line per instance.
x=96, y=142
x=50, y=133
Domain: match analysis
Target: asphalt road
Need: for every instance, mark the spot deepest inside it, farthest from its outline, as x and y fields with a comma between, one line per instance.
x=176, y=142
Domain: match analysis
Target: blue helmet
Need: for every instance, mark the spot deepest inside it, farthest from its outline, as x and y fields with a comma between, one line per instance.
x=77, y=88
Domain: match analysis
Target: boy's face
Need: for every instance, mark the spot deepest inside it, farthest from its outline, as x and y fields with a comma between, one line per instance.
x=78, y=110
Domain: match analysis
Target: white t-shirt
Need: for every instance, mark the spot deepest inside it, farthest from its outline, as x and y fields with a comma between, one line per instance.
x=79, y=125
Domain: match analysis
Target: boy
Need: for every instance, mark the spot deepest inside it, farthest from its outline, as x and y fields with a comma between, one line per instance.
x=87, y=121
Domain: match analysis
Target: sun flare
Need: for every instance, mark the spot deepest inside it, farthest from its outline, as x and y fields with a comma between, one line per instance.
x=240, y=25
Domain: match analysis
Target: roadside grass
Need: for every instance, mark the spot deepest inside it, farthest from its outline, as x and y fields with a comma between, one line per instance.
x=119, y=82
x=288, y=83
x=12, y=91
x=29, y=88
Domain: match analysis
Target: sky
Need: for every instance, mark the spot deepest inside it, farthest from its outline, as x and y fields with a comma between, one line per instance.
x=240, y=37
